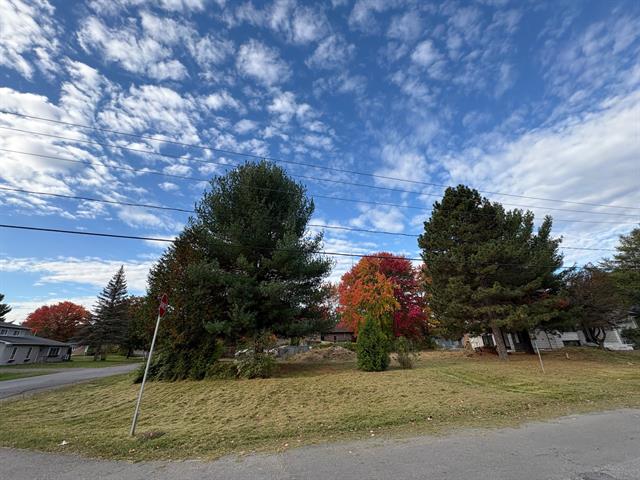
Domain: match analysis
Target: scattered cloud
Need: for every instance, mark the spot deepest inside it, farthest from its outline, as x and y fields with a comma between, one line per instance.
x=28, y=37
x=263, y=63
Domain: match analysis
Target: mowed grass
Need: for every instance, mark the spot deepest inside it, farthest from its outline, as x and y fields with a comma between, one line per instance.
x=316, y=403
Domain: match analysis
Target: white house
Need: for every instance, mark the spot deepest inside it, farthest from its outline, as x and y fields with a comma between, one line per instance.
x=554, y=340
x=19, y=346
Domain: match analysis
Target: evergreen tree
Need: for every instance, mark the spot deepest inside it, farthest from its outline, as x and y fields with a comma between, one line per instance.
x=110, y=319
x=4, y=309
x=625, y=268
x=487, y=268
x=243, y=267
x=372, y=347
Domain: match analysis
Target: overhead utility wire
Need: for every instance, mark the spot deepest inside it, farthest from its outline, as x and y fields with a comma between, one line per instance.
x=200, y=179
x=278, y=160
x=183, y=210
x=314, y=195
x=322, y=252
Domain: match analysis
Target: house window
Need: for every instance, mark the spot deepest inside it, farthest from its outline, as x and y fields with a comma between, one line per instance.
x=16, y=333
x=13, y=354
x=3, y=331
x=516, y=337
x=54, y=351
x=26, y=359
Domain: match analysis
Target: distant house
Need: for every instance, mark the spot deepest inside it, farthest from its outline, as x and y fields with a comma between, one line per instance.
x=525, y=341
x=339, y=333
x=19, y=346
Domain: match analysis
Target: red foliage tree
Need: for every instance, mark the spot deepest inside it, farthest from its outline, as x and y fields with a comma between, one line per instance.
x=58, y=322
x=410, y=312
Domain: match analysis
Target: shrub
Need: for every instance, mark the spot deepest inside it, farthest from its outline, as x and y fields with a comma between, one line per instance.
x=633, y=336
x=372, y=347
x=171, y=364
x=406, y=352
x=221, y=370
x=255, y=365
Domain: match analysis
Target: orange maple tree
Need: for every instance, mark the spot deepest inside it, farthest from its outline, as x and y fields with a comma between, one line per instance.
x=384, y=286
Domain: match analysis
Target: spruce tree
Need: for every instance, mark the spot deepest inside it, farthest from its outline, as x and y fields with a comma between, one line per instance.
x=244, y=267
x=625, y=268
x=487, y=269
x=110, y=319
x=4, y=309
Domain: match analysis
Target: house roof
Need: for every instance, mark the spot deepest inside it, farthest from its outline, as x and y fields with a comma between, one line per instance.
x=340, y=329
x=13, y=325
x=31, y=340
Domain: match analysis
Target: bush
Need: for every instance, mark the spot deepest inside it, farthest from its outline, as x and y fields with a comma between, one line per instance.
x=171, y=363
x=406, y=352
x=221, y=370
x=255, y=365
x=633, y=336
x=372, y=347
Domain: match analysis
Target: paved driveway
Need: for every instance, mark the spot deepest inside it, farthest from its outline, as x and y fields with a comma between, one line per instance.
x=603, y=446
x=11, y=388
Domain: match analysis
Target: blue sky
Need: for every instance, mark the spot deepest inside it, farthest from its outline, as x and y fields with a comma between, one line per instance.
x=524, y=98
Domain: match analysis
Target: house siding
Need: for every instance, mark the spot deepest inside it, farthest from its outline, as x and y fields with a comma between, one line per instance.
x=38, y=354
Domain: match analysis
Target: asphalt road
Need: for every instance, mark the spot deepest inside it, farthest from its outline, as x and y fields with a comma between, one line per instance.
x=28, y=385
x=602, y=446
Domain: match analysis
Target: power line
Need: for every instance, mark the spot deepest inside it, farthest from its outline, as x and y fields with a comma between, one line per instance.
x=182, y=210
x=322, y=252
x=315, y=195
x=206, y=180
x=254, y=156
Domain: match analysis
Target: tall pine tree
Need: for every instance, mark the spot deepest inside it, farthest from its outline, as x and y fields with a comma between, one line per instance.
x=245, y=266
x=487, y=269
x=625, y=268
x=4, y=309
x=110, y=320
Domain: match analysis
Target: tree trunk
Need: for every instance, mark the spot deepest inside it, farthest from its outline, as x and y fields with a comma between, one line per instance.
x=499, y=339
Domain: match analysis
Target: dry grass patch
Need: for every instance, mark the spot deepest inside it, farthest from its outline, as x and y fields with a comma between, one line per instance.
x=308, y=403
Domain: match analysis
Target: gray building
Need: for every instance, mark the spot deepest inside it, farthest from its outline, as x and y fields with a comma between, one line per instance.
x=18, y=346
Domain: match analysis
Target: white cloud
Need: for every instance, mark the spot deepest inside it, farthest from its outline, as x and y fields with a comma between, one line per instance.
x=222, y=99
x=390, y=219
x=425, y=54
x=297, y=24
x=168, y=186
x=152, y=108
x=591, y=158
x=245, y=126
x=332, y=52
x=178, y=169
x=112, y=7
x=28, y=35
x=134, y=51
x=86, y=271
x=362, y=16
x=406, y=27
x=257, y=60
x=308, y=25
x=284, y=105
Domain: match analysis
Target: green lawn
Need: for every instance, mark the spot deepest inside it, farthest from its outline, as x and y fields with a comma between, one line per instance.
x=80, y=361
x=316, y=403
